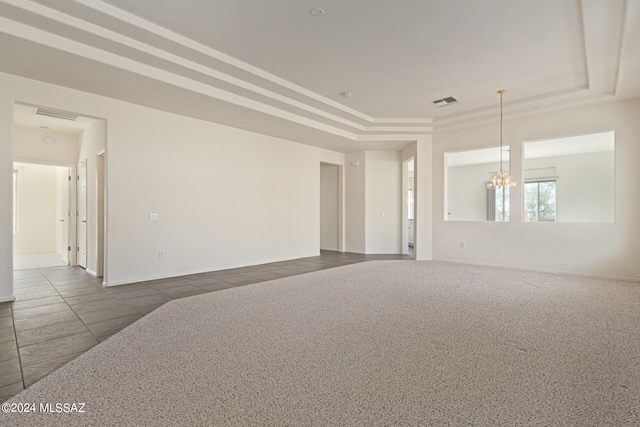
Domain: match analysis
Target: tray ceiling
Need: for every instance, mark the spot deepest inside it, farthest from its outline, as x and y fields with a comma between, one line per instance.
x=272, y=67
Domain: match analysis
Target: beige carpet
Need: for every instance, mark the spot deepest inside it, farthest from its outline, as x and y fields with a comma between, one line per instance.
x=372, y=344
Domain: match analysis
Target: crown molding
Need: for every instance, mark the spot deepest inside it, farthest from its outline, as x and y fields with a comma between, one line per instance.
x=333, y=117
x=172, y=59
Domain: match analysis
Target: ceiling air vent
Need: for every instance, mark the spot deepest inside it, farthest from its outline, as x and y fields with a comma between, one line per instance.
x=56, y=114
x=445, y=101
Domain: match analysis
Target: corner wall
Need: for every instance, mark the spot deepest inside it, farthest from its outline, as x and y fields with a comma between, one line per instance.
x=225, y=197
x=355, y=224
x=373, y=205
x=6, y=194
x=329, y=207
x=92, y=140
x=383, y=202
x=424, y=193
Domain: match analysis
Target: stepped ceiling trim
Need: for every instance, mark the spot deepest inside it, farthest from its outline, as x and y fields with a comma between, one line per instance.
x=604, y=62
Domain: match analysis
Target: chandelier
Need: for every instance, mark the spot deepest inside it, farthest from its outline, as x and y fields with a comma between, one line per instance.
x=501, y=179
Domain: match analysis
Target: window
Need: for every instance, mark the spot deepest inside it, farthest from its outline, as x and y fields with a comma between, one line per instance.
x=502, y=204
x=15, y=202
x=465, y=186
x=575, y=172
x=540, y=201
x=498, y=204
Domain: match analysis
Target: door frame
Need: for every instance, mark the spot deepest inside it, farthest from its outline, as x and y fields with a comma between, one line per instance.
x=101, y=214
x=73, y=238
x=405, y=206
x=79, y=220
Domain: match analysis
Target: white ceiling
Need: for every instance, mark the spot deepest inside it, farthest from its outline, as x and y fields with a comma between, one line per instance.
x=272, y=67
x=25, y=116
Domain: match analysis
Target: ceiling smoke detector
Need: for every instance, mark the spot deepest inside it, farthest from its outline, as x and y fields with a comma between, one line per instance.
x=316, y=11
x=56, y=114
x=445, y=101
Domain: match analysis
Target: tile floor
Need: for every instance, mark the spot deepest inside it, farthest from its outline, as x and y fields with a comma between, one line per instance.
x=41, y=260
x=61, y=312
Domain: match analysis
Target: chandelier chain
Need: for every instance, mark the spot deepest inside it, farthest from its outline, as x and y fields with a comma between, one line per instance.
x=501, y=91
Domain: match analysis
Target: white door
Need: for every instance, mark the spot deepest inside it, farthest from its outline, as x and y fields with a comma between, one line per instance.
x=82, y=215
x=65, y=221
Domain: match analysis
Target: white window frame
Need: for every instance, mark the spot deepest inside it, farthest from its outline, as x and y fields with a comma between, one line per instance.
x=538, y=181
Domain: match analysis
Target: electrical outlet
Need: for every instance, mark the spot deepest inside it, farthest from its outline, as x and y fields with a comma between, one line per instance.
x=463, y=245
x=153, y=217
x=361, y=239
x=160, y=254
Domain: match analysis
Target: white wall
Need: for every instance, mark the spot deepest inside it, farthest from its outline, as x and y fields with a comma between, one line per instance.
x=373, y=190
x=92, y=140
x=36, y=209
x=585, y=185
x=100, y=248
x=603, y=249
x=355, y=227
x=383, y=173
x=225, y=197
x=62, y=208
x=329, y=207
x=467, y=192
x=29, y=145
x=424, y=193
x=6, y=194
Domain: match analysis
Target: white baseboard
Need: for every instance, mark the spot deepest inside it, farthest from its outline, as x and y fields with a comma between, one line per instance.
x=213, y=268
x=7, y=299
x=540, y=270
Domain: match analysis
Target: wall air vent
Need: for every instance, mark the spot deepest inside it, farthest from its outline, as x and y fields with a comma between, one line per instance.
x=57, y=114
x=445, y=101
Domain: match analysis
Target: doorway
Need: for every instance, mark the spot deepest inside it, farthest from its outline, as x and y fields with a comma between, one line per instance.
x=330, y=207
x=44, y=135
x=41, y=215
x=408, y=207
